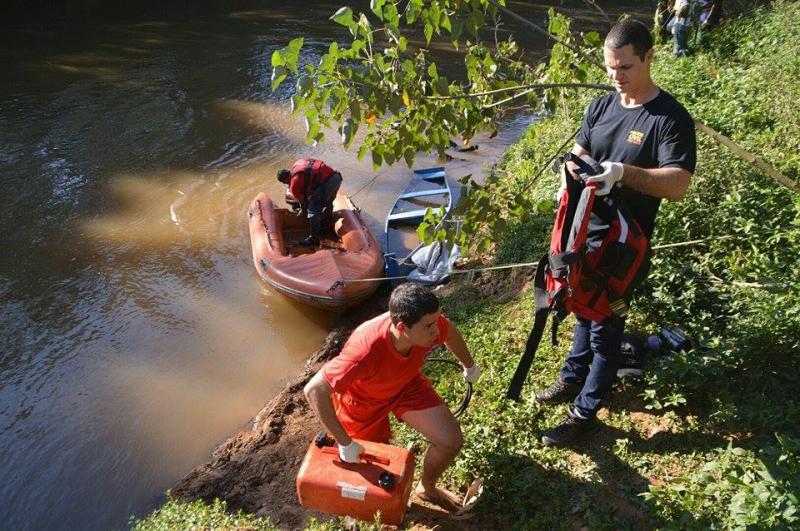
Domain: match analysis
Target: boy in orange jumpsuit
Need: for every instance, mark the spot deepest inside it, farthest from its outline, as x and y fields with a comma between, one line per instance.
x=379, y=371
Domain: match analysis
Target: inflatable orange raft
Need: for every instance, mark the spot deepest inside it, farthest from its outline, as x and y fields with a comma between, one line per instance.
x=316, y=276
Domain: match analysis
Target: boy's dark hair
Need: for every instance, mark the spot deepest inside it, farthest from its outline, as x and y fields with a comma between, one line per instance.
x=284, y=176
x=409, y=302
x=631, y=32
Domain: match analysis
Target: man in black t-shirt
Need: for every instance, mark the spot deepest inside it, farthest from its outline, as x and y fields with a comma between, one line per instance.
x=644, y=139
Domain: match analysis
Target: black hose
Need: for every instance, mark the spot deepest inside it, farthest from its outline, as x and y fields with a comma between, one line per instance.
x=467, y=395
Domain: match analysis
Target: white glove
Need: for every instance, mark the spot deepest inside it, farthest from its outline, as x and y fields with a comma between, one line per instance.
x=606, y=180
x=560, y=193
x=351, y=453
x=471, y=374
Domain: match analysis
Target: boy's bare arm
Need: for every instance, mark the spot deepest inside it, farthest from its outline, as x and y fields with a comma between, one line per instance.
x=318, y=393
x=455, y=342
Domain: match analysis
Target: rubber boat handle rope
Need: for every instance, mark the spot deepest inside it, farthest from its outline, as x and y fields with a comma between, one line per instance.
x=341, y=282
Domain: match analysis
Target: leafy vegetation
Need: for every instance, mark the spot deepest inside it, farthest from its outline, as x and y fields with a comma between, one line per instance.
x=710, y=439
x=177, y=514
x=394, y=89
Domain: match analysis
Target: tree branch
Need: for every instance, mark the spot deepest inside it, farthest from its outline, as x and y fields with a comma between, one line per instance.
x=522, y=87
x=545, y=33
x=600, y=10
x=510, y=98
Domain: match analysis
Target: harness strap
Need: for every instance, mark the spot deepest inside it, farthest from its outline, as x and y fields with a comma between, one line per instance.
x=554, y=329
x=535, y=336
x=308, y=177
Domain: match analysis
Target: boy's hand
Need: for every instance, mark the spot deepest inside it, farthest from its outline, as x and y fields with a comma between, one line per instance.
x=471, y=374
x=351, y=453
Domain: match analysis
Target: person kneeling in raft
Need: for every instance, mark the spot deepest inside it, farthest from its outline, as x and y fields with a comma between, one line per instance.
x=379, y=370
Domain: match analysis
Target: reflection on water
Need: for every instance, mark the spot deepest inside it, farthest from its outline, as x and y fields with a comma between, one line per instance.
x=136, y=332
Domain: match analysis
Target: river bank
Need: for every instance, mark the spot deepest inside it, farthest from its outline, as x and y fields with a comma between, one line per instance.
x=255, y=470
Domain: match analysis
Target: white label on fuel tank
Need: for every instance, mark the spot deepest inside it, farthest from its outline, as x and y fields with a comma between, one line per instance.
x=352, y=491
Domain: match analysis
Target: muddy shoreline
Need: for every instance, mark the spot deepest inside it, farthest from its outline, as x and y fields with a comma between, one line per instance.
x=255, y=469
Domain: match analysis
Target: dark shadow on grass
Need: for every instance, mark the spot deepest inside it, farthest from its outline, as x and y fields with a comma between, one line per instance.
x=621, y=485
x=524, y=493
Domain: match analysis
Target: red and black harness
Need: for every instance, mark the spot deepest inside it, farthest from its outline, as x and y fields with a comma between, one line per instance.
x=598, y=255
x=312, y=175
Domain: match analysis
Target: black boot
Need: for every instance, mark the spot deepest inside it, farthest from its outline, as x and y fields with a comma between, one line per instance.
x=313, y=239
x=560, y=391
x=569, y=430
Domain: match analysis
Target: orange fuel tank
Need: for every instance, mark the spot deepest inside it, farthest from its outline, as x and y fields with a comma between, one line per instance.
x=381, y=482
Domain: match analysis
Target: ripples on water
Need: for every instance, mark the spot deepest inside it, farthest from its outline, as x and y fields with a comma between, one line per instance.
x=136, y=334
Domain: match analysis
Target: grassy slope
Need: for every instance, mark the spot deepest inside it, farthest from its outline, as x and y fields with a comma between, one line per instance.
x=710, y=440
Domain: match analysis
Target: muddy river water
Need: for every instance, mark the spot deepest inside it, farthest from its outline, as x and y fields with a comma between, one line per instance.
x=136, y=334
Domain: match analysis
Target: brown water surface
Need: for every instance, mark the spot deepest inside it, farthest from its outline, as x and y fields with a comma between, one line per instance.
x=136, y=334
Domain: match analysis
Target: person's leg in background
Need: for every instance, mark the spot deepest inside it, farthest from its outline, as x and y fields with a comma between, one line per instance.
x=316, y=206
x=576, y=367
x=331, y=188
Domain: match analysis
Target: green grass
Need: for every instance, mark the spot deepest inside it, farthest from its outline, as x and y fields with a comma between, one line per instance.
x=175, y=514
x=711, y=438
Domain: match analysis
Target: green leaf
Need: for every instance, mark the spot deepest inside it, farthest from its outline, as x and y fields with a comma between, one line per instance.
x=428, y=32
x=391, y=16
x=277, y=59
x=304, y=84
x=545, y=206
x=344, y=16
x=456, y=30
x=292, y=52
x=279, y=74
x=446, y=23
x=357, y=46
x=592, y=38
x=377, y=159
x=556, y=24
x=377, y=7
x=489, y=63
x=408, y=155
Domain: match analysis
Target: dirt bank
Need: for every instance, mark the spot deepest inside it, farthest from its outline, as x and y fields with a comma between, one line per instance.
x=255, y=470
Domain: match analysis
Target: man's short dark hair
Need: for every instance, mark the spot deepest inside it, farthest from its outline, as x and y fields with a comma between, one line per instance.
x=409, y=302
x=284, y=176
x=631, y=32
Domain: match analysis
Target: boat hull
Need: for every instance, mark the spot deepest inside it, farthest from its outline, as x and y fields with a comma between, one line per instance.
x=329, y=277
x=429, y=188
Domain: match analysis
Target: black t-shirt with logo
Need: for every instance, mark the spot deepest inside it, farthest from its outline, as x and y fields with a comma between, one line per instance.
x=658, y=134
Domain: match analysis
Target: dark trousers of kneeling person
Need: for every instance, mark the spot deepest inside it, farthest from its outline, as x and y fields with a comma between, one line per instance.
x=320, y=206
x=588, y=375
